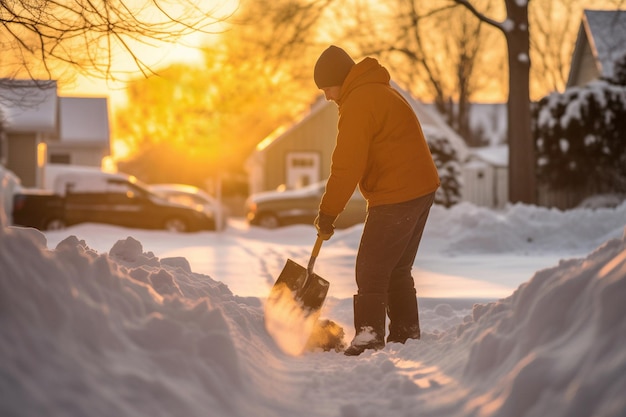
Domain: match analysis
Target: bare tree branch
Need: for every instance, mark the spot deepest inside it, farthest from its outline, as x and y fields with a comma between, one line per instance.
x=481, y=16
x=38, y=35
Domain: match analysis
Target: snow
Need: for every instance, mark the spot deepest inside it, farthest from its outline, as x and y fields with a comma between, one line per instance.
x=523, y=58
x=508, y=25
x=522, y=312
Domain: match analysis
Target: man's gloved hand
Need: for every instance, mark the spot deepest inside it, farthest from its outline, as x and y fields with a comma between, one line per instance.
x=324, y=225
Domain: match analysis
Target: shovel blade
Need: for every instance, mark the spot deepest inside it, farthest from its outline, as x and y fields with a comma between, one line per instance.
x=293, y=307
x=309, y=294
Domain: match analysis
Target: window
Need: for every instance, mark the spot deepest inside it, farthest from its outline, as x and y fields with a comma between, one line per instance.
x=60, y=158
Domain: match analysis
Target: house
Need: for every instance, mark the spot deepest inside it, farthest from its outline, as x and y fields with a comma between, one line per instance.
x=300, y=154
x=40, y=128
x=601, y=40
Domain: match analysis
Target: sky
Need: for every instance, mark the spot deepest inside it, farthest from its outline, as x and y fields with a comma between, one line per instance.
x=155, y=54
x=521, y=310
x=186, y=51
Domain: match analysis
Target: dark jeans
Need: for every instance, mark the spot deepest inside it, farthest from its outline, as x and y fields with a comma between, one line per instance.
x=391, y=237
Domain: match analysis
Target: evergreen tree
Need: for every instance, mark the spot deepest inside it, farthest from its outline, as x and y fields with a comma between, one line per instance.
x=447, y=162
x=580, y=139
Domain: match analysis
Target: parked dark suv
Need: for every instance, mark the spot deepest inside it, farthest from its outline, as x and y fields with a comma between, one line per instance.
x=116, y=199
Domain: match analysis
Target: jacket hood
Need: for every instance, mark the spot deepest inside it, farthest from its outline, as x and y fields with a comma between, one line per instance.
x=368, y=71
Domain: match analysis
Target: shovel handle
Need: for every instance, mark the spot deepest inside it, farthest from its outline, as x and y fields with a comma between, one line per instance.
x=316, y=251
x=316, y=247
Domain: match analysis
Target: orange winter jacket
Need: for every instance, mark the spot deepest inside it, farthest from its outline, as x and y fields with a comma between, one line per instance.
x=380, y=145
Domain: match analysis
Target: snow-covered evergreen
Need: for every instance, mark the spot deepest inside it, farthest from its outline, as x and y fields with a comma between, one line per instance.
x=448, y=166
x=580, y=137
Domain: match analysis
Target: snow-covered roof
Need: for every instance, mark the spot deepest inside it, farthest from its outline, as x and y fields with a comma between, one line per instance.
x=29, y=106
x=608, y=36
x=605, y=33
x=33, y=106
x=84, y=120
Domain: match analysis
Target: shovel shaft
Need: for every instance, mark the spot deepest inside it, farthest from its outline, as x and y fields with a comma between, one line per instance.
x=316, y=251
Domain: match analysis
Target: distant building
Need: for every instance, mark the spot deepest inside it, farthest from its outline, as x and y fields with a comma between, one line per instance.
x=41, y=128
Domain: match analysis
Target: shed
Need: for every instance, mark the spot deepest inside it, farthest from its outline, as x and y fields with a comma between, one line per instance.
x=485, y=176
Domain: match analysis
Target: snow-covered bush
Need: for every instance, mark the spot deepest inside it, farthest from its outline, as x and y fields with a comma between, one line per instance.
x=580, y=138
x=447, y=162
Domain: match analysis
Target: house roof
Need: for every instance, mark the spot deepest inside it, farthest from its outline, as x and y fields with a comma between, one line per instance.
x=604, y=31
x=28, y=105
x=283, y=130
x=83, y=120
x=33, y=106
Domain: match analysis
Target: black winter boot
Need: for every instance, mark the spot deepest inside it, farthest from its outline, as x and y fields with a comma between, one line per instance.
x=369, y=323
x=403, y=316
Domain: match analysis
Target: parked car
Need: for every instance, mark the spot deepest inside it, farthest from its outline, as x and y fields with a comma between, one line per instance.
x=273, y=209
x=195, y=197
x=99, y=197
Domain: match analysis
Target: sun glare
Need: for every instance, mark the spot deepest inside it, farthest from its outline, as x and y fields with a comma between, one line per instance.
x=155, y=55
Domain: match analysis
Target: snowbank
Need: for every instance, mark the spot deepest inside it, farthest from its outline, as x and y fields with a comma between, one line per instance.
x=129, y=334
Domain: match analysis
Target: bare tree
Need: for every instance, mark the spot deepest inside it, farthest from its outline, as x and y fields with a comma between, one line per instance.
x=552, y=44
x=36, y=36
x=426, y=53
x=450, y=79
x=279, y=35
x=522, y=182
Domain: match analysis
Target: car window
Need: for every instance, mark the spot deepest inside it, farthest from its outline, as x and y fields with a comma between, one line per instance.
x=123, y=188
x=185, y=199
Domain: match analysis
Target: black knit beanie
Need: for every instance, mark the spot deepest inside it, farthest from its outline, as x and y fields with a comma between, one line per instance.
x=332, y=67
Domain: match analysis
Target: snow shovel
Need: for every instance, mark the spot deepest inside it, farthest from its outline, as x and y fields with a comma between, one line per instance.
x=294, y=303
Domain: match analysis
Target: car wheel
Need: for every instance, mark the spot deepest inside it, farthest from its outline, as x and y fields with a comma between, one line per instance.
x=175, y=224
x=269, y=221
x=54, y=224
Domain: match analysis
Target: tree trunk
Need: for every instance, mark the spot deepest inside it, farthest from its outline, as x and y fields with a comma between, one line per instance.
x=522, y=184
